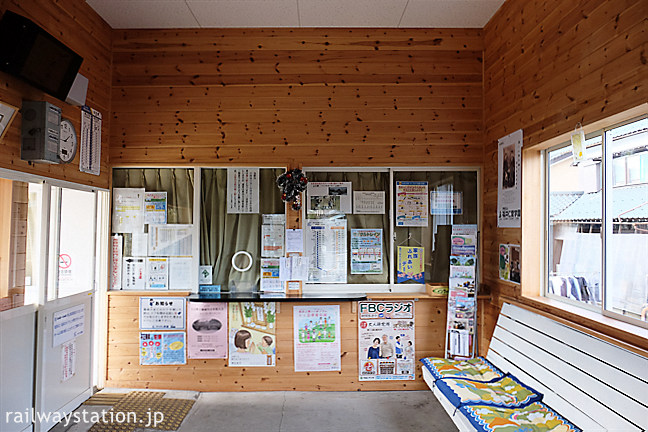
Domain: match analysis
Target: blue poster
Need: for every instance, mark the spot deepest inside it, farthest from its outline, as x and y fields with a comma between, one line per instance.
x=163, y=348
x=411, y=265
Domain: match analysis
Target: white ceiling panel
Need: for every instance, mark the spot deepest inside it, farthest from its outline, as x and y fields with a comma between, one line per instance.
x=123, y=14
x=431, y=13
x=351, y=13
x=245, y=13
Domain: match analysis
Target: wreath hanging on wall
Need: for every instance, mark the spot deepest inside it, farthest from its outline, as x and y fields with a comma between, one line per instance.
x=292, y=183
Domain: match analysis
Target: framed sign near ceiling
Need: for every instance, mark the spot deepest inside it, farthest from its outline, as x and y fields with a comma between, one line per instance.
x=7, y=114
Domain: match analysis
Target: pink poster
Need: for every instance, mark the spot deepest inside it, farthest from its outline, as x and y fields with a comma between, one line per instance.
x=206, y=330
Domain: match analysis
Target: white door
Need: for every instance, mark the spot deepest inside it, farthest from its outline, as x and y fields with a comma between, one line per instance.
x=65, y=330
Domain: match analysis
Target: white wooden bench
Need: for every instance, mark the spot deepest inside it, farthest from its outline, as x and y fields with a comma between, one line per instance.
x=596, y=385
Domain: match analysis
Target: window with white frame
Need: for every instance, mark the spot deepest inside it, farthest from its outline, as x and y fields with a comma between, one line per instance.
x=597, y=222
x=449, y=196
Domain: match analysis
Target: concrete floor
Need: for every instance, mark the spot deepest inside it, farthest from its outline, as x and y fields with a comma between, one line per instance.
x=394, y=411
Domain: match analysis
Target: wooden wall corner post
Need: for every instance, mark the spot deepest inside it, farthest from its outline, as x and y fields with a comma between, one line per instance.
x=293, y=221
x=533, y=246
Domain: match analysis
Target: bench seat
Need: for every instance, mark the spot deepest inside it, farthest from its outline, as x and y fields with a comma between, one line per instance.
x=586, y=383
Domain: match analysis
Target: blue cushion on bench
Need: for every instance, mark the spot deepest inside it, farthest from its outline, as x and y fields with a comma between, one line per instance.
x=507, y=392
x=477, y=369
x=535, y=417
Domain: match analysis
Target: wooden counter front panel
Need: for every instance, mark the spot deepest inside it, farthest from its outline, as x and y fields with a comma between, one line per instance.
x=304, y=97
x=123, y=369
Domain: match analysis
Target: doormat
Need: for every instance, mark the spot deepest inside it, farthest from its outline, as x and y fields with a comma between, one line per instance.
x=150, y=410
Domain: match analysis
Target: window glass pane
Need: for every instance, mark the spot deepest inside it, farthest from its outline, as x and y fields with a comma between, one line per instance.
x=362, y=181
x=619, y=171
x=633, y=164
x=435, y=237
x=77, y=242
x=626, y=289
x=19, y=243
x=173, y=205
x=223, y=234
x=575, y=208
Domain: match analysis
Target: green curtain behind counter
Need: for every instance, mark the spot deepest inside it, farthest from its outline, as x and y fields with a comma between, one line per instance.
x=223, y=234
x=363, y=181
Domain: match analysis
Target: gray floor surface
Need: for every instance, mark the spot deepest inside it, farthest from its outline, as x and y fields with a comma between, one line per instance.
x=393, y=411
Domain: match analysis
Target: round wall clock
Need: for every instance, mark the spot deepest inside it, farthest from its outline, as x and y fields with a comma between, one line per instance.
x=67, y=141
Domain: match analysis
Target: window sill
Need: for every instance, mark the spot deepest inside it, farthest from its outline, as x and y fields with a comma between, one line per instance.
x=631, y=337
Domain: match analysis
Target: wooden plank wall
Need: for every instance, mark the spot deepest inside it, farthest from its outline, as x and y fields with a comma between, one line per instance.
x=339, y=97
x=78, y=26
x=123, y=369
x=549, y=64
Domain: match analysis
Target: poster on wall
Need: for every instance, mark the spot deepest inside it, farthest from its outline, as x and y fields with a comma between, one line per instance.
x=155, y=204
x=117, y=247
x=162, y=348
x=128, y=210
x=411, y=203
x=162, y=313
x=386, y=346
x=411, y=264
x=272, y=241
x=369, y=202
x=326, y=249
x=157, y=273
x=252, y=340
x=366, y=251
x=509, y=263
x=509, y=180
x=446, y=203
x=134, y=273
x=317, y=338
x=242, y=190
x=325, y=198
x=270, y=280
x=207, y=330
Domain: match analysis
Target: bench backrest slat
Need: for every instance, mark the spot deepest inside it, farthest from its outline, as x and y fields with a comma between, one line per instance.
x=574, y=367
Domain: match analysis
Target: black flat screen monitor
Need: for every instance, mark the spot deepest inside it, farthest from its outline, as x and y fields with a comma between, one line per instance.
x=30, y=53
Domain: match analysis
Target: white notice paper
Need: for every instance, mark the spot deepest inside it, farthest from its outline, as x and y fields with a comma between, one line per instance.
x=294, y=240
x=170, y=240
x=326, y=247
x=68, y=360
x=293, y=268
x=272, y=241
x=128, y=210
x=369, y=202
x=328, y=197
x=180, y=273
x=134, y=273
x=67, y=324
x=162, y=313
x=205, y=275
x=157, y=273
x=90, y=141
x=139, y=244
x=242, y=190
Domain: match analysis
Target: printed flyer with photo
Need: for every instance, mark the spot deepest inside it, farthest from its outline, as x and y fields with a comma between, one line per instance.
x=207, y=330
x=412, y=203
x=386, y=346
